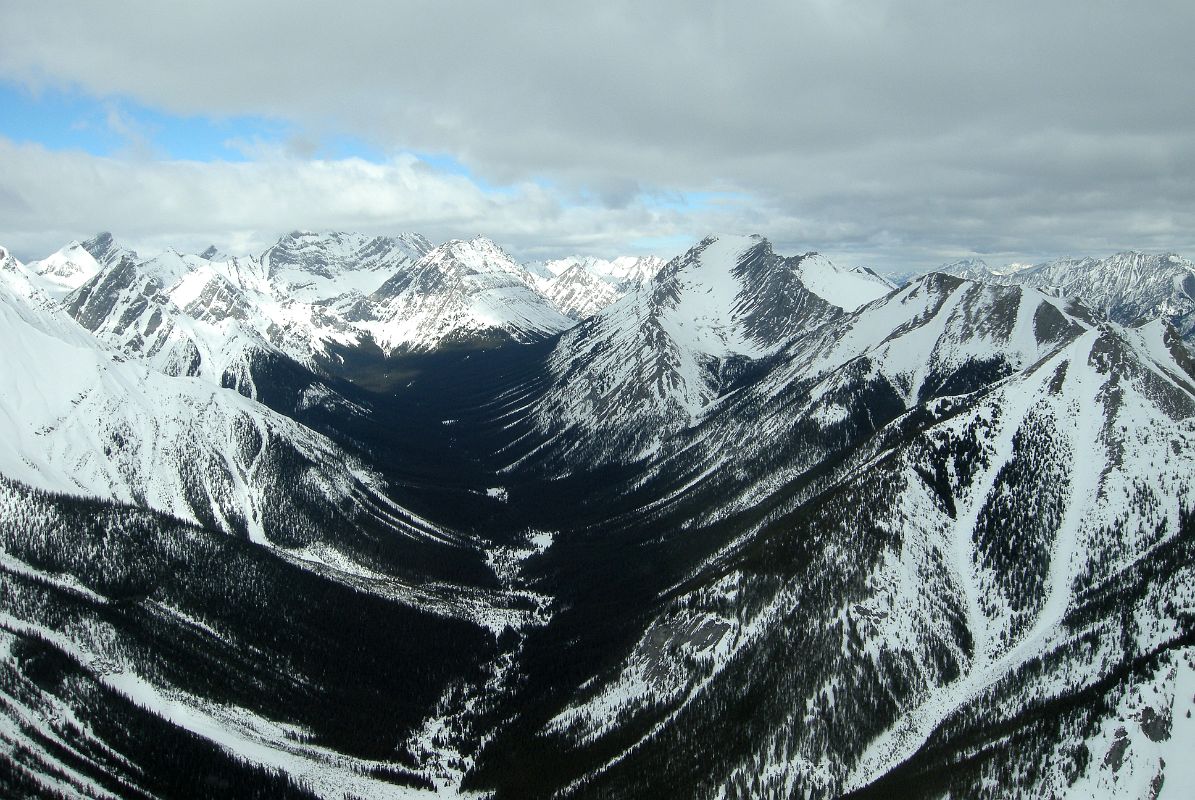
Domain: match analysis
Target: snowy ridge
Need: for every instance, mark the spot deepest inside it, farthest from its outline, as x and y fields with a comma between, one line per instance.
x=82, y=422
x=1125, y=287
x=1074, y=411
x=764, y=527
x=221, y=317
x=972, y=269
x=67, y=269
x=654, y=361
x=621, y=271
x=930, y=328
x=322, y=267
x=846, y=288
x=459, y=290
x=581, y=286
x=311, y=295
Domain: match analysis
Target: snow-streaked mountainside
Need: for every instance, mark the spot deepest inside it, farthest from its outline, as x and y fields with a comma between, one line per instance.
x=309, y=295
x=624, y=270
x=579, y=293
x=761, y=527
x=312, y=294
x=656, y=360
x=1006, y=448
x=1126, y=287
x=580, y=287
x=313, y=267
x=84, y=421
x=461, y=290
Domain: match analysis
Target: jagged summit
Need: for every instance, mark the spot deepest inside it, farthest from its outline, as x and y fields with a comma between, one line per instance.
x=68, y=268
x=578, y=292
x=763, y=527
x=654, y=361
x=328, y=258
x=972, y=268
x=78, y=262
x=579, y=286
x=1126, y=287
x=458, y=291
x=636, y=269
x=104, y=248
x=479, y=254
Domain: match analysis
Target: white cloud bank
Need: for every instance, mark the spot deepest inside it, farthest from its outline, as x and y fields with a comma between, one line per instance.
x=887, y=132
x=49, y=197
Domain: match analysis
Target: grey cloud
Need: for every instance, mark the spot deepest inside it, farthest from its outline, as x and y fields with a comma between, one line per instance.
x=881, y=130
x=49, y=198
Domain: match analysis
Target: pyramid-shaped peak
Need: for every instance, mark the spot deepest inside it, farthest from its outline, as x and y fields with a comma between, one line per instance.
x=479, y=253
x=101, y=239
x=104, y=248
x=100, y=245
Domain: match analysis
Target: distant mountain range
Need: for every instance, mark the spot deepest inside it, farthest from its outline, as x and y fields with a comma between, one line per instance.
x=1126, y=287
x=371, y=517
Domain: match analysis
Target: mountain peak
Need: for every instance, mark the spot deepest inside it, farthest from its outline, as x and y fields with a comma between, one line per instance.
x=105, y=249
x=478, y=254
x=462, y=290
x=301, y=256
x=101, y=241
x=969, y=262
x=971, y=268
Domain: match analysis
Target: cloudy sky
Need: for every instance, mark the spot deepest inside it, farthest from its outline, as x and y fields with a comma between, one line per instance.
x=893, y=134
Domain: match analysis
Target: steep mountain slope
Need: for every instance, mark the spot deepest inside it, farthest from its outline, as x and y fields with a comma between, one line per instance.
x=142, y=657
x=1126, y=287
x=902, y=541
x=193, y=315
x=764, y=527
x=323, y=267
x=198, y=588
x=207, y=332
x=651, y=364
x=460, y=291
x=579, y=293
x=580, y=287
x=81, y=420
x=306, y=300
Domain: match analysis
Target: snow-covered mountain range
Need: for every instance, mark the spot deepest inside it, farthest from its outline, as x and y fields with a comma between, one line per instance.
x=216, y=316
x=458, y=291
x=1127, y=287
x=656, y=360
x=580, y=287
x=367, y=516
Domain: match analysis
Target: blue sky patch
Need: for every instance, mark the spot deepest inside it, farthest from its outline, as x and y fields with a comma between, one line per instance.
x=70, y=120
